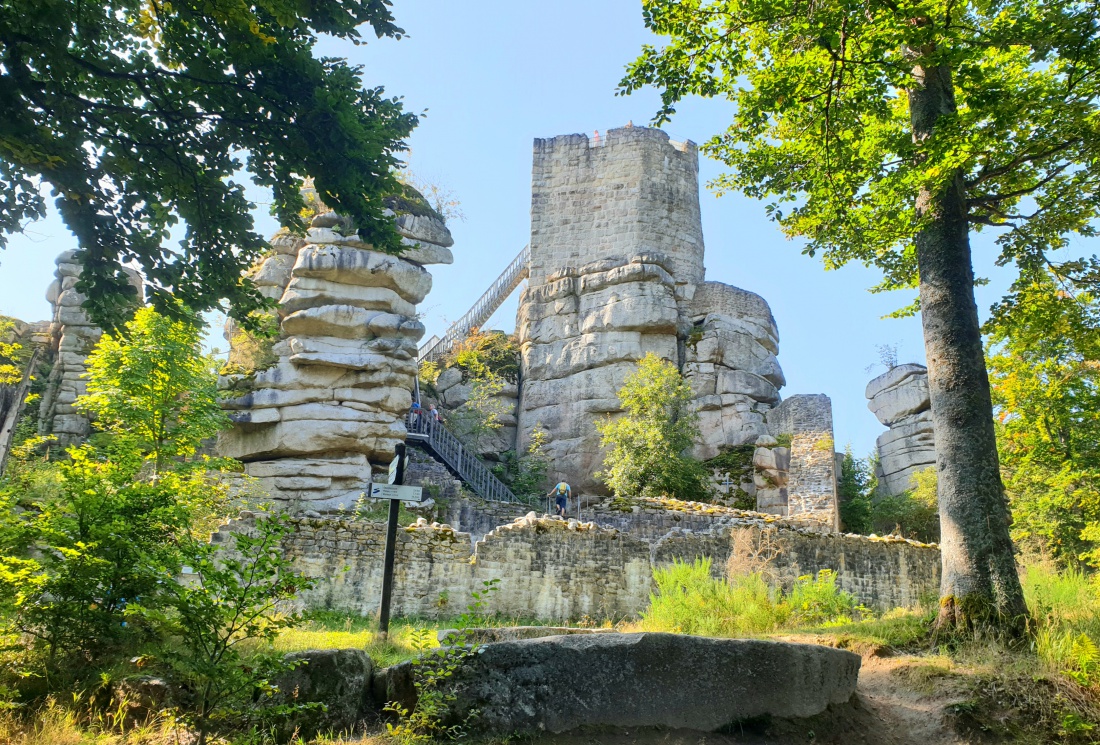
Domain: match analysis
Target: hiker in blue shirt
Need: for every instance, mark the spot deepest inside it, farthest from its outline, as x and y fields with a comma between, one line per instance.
x=563, y=493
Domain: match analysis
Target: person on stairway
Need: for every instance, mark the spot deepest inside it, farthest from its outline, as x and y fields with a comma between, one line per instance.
x=561, y=502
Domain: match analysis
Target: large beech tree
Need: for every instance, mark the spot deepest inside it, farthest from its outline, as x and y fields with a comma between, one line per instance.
x=136, y=114
x=884, y=131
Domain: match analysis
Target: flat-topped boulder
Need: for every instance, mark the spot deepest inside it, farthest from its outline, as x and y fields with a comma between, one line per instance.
x=560, y=683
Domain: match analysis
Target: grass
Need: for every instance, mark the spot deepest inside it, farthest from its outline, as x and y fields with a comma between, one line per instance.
x=689, y=600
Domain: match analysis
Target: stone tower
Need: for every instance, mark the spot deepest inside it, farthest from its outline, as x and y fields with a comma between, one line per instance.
x=617, y=272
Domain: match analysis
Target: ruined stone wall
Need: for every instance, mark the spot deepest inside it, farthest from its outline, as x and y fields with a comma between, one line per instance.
x=811, y=475
x=899, y=399
x=636, y=191
x=552, y=569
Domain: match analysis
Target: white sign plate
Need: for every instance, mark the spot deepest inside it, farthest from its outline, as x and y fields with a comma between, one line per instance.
x=391, y=491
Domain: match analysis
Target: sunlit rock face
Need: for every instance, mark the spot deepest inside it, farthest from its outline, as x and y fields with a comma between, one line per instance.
x=616, y=273
x=328, y=397
x=72, y=338
x=900, y=400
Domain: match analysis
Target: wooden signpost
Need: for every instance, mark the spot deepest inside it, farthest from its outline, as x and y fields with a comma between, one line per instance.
x=396, y=492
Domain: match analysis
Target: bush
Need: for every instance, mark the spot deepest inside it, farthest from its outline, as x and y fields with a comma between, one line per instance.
x=649, y=444
x=525, y=474
x=913, y=514
x=203, y=626
x=72, y=560
x=691, y=601
x=855, y=488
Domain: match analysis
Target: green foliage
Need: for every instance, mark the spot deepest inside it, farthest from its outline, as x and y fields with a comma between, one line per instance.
x=486, y=353
x=525, y=475
x=822, y=122
x=854, y=489
x=154, y=388
x=735, y=463
x=13, y=356
x=649, y=443
x=251, y=349
x=914, y=513
x=480, y=416
x=205, y=625
x=1065, y=606
x=690, y=601
x=88, y=541
x=137, y=114
x=1044, y=368
x=431, y=719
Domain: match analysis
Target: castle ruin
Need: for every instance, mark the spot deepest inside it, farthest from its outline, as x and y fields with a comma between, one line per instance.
x=616, y=272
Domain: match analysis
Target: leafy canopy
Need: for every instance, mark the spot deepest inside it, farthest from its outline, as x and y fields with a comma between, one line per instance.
x=139, y=114
x=154, y=386
x=821, y=126
x=649, y=444
x=1044, y=369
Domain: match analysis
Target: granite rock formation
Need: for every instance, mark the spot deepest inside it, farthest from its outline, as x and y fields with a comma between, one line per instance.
x=329, y=396
x=617, y=272
x=899, y=398
x=73, y=336
x=647, y=680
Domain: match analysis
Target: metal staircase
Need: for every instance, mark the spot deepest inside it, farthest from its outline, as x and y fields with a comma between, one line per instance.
x=487, y=304
x=438, y=442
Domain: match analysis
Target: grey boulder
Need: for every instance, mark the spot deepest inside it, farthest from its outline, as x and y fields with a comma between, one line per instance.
x=560, y=683
x=338, y=679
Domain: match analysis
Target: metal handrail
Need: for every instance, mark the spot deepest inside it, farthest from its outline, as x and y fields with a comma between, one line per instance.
x=486, y=305
x=424, y=429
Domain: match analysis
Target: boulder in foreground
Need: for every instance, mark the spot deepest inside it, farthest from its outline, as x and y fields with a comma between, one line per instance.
x=560, y=683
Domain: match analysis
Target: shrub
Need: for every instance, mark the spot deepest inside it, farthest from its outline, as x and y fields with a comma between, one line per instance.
x=525, y=474
x=691, y=601
x=649, y=444
x=204, y=626
x=72, y=561
x=854, y=488
x=913, y=514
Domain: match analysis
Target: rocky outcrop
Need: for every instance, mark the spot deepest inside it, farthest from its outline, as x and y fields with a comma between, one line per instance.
x=337, y=682
x=730, y=362
x=73, y=336
x=899, y=399
x=580, y=336
x=328, y=396
x=617, y=272
x=647, y=680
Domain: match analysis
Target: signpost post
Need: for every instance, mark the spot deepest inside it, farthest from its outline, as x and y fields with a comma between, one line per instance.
x=396, y=492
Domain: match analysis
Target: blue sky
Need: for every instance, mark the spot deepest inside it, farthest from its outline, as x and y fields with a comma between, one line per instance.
x=493, y=76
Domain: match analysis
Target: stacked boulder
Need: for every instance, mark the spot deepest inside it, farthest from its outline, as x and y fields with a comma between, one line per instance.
x=730, y=362
x=900, y=400
x=73, y=336
x=332, y=391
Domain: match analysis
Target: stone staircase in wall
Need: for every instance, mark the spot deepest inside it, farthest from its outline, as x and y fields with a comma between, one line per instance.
x=437, y=441
x=487, y=304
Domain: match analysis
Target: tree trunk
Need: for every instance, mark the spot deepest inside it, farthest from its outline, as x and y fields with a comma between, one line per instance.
x=979, y=584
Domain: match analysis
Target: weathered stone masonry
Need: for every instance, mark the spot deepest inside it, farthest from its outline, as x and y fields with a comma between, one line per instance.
x=552, y=569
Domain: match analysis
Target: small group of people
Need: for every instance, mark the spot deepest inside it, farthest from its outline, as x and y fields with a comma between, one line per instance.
x=419, y=416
